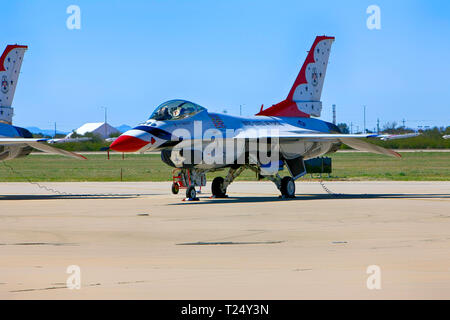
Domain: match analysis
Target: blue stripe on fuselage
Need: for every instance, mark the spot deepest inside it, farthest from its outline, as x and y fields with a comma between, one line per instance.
x=162, y=134
x=237, y=122
x=312, y=124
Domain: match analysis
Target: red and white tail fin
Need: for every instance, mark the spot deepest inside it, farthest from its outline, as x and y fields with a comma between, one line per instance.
x=10, y=64
x=304, y=98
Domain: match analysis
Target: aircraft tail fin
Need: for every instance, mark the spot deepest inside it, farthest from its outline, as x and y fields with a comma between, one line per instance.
x=10, y=64
x=304, y=98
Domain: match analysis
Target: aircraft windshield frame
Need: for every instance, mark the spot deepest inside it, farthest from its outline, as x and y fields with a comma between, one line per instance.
x=175, y=110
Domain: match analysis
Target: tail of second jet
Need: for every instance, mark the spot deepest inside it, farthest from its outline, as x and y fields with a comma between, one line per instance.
x=10, y=64
x=304, y=98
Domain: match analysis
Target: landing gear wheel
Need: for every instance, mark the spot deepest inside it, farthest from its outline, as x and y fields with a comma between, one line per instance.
x=217, y=188
x=175, y=188
x=288, y=187
x=191, y=193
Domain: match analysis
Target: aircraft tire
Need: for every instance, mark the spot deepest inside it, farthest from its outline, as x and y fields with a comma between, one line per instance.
x=217, y=187
x=288, y=187
x=191, y=193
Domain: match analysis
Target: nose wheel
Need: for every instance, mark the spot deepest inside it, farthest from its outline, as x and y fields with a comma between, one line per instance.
x=191, y=193
x=188, y=179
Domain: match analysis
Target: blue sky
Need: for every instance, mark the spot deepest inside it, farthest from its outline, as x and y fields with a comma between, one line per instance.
x=130, y=56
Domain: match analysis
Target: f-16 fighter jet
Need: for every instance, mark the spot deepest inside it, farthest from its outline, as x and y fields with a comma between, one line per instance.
x=195, y=141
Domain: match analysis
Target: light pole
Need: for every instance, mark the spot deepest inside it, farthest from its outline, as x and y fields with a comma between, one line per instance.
x=364, y=119
x=106, y=121
x=240, y=109
x=334, y=114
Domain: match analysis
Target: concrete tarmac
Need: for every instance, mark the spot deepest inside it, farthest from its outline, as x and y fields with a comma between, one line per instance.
x=138, y=241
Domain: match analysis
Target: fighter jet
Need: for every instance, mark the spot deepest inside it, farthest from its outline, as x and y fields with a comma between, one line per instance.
x=16, y=142
x=195, y=141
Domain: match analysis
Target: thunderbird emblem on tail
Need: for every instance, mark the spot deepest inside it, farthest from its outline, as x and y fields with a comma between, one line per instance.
x=315, y=77
x=5, y=86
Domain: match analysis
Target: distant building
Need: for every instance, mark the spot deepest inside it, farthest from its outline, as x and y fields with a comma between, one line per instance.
x=102, y=129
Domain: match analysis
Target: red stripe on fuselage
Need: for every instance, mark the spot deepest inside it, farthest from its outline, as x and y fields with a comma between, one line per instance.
x=126, y=143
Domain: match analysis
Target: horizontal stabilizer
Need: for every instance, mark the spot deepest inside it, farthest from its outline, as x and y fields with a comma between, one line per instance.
x=368, y=147
x=41, y=145
x=398, y=136
x=44, y=147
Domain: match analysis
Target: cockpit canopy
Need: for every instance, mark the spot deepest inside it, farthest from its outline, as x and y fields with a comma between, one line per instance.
x=176, y=110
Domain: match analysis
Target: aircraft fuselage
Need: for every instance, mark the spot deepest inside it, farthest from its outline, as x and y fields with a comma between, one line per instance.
x=155, y=135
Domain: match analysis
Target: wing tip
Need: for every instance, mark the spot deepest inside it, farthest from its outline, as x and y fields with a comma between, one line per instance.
x=395, y=154
x=77, y=155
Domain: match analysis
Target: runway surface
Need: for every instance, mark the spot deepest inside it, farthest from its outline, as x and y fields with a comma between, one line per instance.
x=138, y=241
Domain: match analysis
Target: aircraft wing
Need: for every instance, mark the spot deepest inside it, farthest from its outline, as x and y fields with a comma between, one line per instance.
x=65, y=140
x=254, y=134
x=362, y=145
x=250, y=134
x=40, y=144
x=352, y=140
x=355, y=141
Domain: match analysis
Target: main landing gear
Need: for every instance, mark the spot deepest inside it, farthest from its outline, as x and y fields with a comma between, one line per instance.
x=217, y=189
x=286, y=186
x=219, y=185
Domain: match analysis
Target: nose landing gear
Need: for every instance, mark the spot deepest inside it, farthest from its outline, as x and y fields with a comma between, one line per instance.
x=188, y=179
x=191, y=194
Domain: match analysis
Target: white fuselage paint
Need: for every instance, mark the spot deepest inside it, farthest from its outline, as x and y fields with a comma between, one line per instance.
x=223, y=123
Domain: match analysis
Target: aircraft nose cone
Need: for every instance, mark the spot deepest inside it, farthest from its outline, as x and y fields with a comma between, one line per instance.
x=126, y=143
